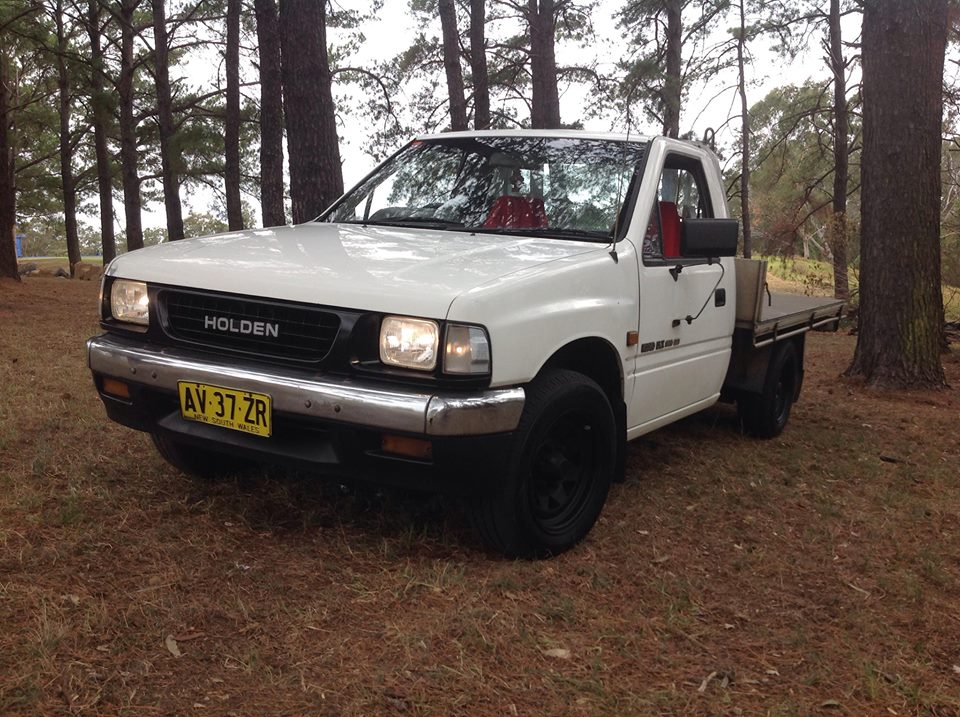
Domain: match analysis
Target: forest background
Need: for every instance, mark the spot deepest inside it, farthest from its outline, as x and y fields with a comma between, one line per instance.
x=86, y=72
x=130, y=122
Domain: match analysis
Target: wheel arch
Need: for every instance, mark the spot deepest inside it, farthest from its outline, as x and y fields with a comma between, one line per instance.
x=749, y=366
x=594, y=357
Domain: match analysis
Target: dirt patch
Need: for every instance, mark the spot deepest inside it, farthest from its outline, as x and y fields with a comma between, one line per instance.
x=815, y=572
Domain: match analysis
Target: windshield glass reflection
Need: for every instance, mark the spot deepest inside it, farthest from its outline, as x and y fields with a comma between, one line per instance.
x=539, y=186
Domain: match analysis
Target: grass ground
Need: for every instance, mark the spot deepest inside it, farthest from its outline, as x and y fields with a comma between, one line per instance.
x=58, y=261
x=815, y=573
x=814, y=277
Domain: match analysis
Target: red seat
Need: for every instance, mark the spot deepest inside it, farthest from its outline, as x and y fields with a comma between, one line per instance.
x=520, y=212
x=670, y=229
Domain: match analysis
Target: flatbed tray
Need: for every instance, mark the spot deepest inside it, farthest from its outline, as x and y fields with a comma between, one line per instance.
x=771, y=317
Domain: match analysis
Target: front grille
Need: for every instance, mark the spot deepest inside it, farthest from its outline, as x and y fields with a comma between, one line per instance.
x=253, y=326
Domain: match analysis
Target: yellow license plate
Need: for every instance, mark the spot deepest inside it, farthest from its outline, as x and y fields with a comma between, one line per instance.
x=226, y=407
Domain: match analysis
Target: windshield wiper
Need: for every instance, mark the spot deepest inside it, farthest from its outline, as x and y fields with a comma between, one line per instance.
x=426, y=220
x=546, y=232
x=408, y=221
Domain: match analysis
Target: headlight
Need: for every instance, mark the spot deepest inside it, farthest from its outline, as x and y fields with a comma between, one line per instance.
x=467, y=350
x=129, y=301
x=410, y=343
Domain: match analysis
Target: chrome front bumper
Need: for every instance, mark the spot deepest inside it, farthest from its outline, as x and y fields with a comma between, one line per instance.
x=303, y=393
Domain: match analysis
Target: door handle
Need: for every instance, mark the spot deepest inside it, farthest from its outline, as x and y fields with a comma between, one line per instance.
x=720, y=297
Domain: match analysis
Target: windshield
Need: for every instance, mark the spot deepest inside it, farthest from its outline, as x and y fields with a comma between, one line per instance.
x=567, y=188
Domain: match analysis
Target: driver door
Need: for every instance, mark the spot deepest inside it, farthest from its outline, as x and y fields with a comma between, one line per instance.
x=685, y=326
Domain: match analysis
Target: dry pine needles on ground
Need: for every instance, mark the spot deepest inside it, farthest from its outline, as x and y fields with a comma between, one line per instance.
x=816, y=572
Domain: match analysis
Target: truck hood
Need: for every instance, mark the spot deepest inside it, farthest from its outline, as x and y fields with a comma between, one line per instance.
x=386, y=269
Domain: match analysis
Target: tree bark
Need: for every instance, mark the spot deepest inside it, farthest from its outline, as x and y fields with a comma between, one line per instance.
x=101, y=119
x=232, y=130
x=169, y=153
x=841, y=161
x=451, y=64
x=478, y=64
x=901, y=304
x=271, y=114
x=8, y=196
x=744, y=139
x=672, y=81
x=67, y=181
x=545, y=98
x=128, y=129
x=316, y=177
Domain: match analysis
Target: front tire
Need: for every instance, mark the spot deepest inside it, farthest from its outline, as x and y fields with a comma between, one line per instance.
x=559, y=475
x=765, y=415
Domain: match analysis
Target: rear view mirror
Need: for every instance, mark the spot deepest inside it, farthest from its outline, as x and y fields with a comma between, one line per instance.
x=705, y=238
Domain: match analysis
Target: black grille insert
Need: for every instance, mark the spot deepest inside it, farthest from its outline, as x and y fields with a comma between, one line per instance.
x=253, y=326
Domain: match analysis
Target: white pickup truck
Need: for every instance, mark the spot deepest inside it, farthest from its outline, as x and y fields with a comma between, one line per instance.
x=491, y=314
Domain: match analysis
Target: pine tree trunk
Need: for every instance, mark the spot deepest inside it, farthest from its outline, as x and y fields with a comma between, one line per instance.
x=169, y=153
x=232, y=129
x=545, y=98
x=271, y=114
x=478, y=64
x=841, y=161
x=316, y=177
x=130, y=173
x=901, y=304
x=744, y=139
x=451, y=64
x=8, y=196
x=67, y=181
x=101, y=115
x=673, y=82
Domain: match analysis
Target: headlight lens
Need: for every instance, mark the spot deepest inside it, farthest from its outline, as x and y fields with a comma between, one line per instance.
x=467, y=350
x=129, y=301
x=410, y=343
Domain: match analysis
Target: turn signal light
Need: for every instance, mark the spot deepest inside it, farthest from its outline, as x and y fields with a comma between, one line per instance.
x=405, y=446
x=116, y=388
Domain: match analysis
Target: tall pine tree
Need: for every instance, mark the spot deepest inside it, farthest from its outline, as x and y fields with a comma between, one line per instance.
x=901, y=304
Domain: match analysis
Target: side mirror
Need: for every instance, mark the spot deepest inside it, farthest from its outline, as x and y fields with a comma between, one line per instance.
x=706, y=238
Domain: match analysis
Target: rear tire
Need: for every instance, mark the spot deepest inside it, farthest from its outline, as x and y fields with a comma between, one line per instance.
x=195, y=462
x=560, y=471
x=765, y=415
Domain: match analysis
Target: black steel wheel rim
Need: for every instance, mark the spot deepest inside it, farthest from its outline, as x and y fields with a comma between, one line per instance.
x=563, y=468
x=781, y=395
